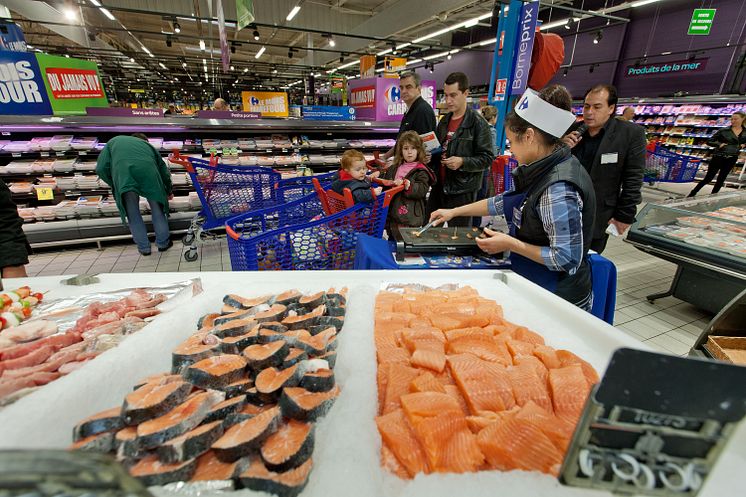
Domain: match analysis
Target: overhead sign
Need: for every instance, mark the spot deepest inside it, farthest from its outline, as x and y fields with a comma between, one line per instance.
x=244, y=13
x=11, y=37
x=268, y=103
x=524, y=47
x=72, y=84
x=225, y=54
x=666, y=68
x=701, y=22
x=380, y=99
x=392, y=66
x=22, y=90
x=363, y=97
x=367, y=66
x=328, y=113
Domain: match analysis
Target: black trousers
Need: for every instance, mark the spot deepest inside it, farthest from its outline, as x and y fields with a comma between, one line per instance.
x=599, y=244
x=439, y=200
x=720, y=166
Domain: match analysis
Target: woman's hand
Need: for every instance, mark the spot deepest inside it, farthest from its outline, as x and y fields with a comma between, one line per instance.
x=495, y=241
x=441, y=216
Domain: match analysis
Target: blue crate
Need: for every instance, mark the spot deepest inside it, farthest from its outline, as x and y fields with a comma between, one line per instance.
x=664, y=166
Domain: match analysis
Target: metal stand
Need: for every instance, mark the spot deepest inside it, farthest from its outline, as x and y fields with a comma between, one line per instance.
x=655, y=296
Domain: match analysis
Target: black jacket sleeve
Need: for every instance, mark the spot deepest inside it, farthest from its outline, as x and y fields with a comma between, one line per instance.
x=482, y=155
x=632, y=175
x=13, y=244
x=717, y=139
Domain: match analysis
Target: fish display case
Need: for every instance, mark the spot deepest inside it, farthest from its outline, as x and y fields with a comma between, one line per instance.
x=706, y=238
x=348, y=445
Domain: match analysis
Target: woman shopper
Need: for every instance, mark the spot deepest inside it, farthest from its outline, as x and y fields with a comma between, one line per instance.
x=134, y=169
x=552, y=208
x=727, y=143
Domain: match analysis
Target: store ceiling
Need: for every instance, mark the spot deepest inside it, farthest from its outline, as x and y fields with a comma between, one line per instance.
x=293, y=49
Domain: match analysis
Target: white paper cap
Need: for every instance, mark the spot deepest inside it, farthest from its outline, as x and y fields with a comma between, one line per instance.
x=543, y=115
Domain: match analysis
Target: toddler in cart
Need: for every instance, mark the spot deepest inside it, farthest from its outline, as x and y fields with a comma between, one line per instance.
x=352, y=176
x=407, y=209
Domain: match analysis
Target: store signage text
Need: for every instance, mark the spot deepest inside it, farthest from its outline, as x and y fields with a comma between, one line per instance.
x=74, y=83
x=267, y=103
x=363, y=97
x=228, y=114
x=701, y=22
x=11, y=37
x=17, y=83
x=525, y=44
x=395, y=106
x=123, y=111
x=667, y=68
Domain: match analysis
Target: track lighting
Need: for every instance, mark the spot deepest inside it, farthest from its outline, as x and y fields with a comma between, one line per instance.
x=177, y=27
x=598, y=37
x=564, y=73
x=256, y=34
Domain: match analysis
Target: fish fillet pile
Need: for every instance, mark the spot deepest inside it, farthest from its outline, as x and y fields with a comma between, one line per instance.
x=39, y=354
x=460, y=389
x=240, y=402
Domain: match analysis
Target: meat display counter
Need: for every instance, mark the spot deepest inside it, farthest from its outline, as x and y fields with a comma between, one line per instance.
x=706, y=238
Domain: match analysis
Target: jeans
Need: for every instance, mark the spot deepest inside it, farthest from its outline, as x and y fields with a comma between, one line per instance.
x=131, y=201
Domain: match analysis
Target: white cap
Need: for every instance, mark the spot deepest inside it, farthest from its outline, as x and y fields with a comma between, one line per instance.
x=543, y=115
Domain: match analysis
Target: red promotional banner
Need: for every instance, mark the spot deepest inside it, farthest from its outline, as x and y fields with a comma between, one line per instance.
x=363, y=98
x=70, y=83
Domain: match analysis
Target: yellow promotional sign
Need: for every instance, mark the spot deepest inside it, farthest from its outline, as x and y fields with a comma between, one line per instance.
x=268, y=103
x=367, y=66
x=392, y=66
x=45, y=194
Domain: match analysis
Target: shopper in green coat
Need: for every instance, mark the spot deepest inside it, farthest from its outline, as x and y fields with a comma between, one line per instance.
x=134, y=169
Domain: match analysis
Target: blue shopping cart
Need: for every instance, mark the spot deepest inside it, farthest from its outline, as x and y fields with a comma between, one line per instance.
x=664, y=166
x=301, y=236
x=225, y=191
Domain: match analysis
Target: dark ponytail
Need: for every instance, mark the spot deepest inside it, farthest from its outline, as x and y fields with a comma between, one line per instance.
x=556, y=95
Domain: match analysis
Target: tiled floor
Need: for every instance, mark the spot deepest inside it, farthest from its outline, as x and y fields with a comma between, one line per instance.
x=669, y=325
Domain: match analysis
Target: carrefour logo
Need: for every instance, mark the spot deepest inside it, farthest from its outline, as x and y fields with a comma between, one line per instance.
x=523, y=104
x=393, y=94
x=254, y=101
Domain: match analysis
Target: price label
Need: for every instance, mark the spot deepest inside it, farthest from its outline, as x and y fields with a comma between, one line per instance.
x=6, y=133
x=45, y=194
x=59, y=154
x=82, y=152
x=44, y=154
x=15, y=154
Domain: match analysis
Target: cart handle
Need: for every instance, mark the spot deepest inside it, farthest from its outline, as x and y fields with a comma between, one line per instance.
x=231, y=233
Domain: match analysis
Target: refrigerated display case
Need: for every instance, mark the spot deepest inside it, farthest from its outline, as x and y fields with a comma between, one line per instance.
x=706, y=238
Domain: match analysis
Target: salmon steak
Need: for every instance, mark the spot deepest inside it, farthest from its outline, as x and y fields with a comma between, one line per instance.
x=108, y=420
x=243, y=438
x=151, y=471
x=191, y=444
x=288, y=447
x=266, y=355
x=201, y=345
x=217, y=371
x=152, y=400
x=461, y=389
x=210, y=468
x=288, y=484
x=301, y=404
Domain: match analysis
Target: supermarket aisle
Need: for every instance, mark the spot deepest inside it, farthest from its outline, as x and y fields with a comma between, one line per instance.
x=669, y=325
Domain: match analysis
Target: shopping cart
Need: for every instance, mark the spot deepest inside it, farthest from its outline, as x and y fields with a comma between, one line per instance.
x=321, y=242
x=226, y=191
x=501, y=173
x=664, y=166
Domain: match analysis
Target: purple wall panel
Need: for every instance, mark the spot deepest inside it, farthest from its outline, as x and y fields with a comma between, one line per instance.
x=476, y=65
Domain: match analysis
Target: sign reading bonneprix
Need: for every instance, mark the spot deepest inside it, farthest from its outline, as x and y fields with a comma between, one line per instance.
x=267, y=103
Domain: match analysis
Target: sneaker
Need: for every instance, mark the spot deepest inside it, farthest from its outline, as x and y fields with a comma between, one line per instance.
x=163, y=249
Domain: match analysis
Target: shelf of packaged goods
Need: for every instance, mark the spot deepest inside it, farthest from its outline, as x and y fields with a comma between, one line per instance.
x=71, y=154
x=681, y=145
x=682, y=125
x=704, y=114
x=668, y=133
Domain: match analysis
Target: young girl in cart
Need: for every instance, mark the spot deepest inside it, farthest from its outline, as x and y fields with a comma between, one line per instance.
x=407, y=209
x=352, y=176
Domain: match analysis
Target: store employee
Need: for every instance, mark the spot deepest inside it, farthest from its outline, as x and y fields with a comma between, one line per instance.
x=552, y=208
x=420, y=116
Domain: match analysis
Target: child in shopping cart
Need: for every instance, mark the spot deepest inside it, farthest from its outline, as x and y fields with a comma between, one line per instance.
x=407, y=208
x=352, y=175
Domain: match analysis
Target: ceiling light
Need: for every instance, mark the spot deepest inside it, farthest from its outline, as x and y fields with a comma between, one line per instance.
x=403, y=45
x=95, y=3
x=256, y=34
x=598, y=37
x=564, y=73
x=640, y=3
x=292, y=13
x=201, y=44
x=246, y=69
x=177, y=27
x=260, y=52
x=274, y=70
x=70, y=14
x=487, y=42
x=568, y=25
x=233, y=68
x=66, y=55
x=383, y=52
x=107, y=14
x=161, y=64
x=349, y=64
x=183, y=64
x=204, y=61
x=132, y=59
x=466, y=24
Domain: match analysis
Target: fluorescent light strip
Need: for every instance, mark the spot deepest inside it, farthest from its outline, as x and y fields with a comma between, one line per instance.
x=403, y=45
x=201, y=44
x=107, y=14
x=95, y=3
x=640, y=3
x=260, y=52
x=413, y=61
x=292, y=13
x=349, y=64
x=609, y=10
x=384, y=52
x=161, y=64
x=145, y=49
x=435, y=56
x=467, y=24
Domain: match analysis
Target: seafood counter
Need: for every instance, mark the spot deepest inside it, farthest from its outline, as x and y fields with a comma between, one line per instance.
x=391, y=383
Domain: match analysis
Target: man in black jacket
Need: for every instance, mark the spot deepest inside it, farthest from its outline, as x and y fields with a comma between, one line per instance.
x=467, y=151
x=14, y=247
x=613, y=153
x=420, y=116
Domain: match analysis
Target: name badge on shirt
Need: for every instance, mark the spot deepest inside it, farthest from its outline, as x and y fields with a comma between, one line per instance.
x=609, y=158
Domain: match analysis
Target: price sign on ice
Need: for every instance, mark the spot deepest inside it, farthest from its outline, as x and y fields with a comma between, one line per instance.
x=45, y=193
